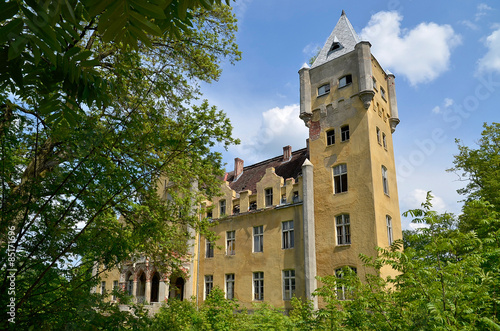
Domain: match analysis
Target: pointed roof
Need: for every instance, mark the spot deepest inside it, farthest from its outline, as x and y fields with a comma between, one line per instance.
x=341, y=41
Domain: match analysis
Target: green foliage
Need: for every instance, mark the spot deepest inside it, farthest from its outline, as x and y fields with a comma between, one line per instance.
x=98, y=100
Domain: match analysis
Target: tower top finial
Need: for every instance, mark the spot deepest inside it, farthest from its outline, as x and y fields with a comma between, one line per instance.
x=343, y=13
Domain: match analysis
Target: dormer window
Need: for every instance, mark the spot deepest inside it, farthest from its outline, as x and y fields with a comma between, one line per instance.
x=336, y=45
x=344, y=81
x=323, y=89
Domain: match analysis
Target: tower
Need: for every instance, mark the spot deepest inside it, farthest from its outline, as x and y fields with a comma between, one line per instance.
x=349, y=104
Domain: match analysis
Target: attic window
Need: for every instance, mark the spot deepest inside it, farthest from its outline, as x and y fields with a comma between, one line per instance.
x=336, y=45
x=344, y=81
x=323, y=89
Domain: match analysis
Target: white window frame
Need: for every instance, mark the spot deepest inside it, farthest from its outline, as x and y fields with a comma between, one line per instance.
x=288, y=235
x=230, y=242
x=324, y=89
x=385, y=182
x=258, y=286
x=388, y=220
x=345, y=81
x=258, y=239
x=341, y=290
x=330, y=137
x=230, y=286
x=340, y=178
x=343, y=229
x=288, y=284
x=209, y=284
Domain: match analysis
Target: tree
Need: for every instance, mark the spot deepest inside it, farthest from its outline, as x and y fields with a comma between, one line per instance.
x=98, y=101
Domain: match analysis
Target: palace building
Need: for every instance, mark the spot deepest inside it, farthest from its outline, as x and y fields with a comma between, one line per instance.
x=305, y=213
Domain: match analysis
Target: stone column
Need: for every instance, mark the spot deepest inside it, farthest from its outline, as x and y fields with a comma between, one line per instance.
x=309, y=232
x=147, y=291
x=391, y=91
x=305, y=94
x=365, y=79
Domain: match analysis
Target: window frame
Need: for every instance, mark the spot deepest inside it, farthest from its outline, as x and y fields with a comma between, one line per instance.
x=382, y=93
x=343, y=229
x=230, y=282
x=345, y=80
x=330, y=137
x=288, y=284
x=385, y=181
x=341, y=288
x=384, y=140
x=258, y=286
x=326, y=89
x=340, y=179
x=390, y=232
x=222, y=207
x=258, y=239
x=209, y=249
x=344, y=133
x=287, y=235
x=379, y=138
x=230, y=243
x=209, y=285
x=268, y=197
x=103, y=287
x=116, y=286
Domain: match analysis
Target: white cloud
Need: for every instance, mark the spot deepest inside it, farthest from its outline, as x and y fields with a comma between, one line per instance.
x=491, y=61
x=482, y=10
x=279, y=127
x=415, y=198
x=448, y=102
x=436, y=110
x=311, y=49
x=469, y=24
x=420, y=54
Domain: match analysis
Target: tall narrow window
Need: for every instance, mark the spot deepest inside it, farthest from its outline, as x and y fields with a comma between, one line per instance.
x=258, y=239
x=342, y=293
x=115, y=288
x=258, y=286
x=384, y=140
x=209, y=249
x=389, y=228
x=382, y=93
x=288, y=235
x=103, y=287
x=344, y=133
x=230, y=286
x=288, y=284
x=230, y=242
x=343, y=229
x=374, y=84
x=323, y=89
x=340, y=178
x=269, y=196
x=384, y=180
x=344, y=81
x=209, y=284
x=296, y=197
x=236, y=209
x=330, y=137
x=130, y=285
x=378, y=136
x=222, y=205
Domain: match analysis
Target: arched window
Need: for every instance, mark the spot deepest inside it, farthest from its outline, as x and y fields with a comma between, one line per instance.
x=385, y=183
x=389, y=229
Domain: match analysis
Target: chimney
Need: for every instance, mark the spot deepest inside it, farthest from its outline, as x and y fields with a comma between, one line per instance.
x=238, y=167
x=287, y=153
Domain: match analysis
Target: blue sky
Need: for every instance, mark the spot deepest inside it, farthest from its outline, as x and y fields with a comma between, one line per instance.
x=445, y=56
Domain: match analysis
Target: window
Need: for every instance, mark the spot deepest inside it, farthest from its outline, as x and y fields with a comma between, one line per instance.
x=283, y=199
x=209, y=214
x=236, y=209
x=340, y=178
x=330, y=137
x=209, y=283
x=335, y=46
x=382, y=93
x=342, y=293
x=103, y=287
x=258, y=286
x=344, y=81
x=222, y=204
x=288, y=284
x=378, y=136
x=389, y=228
x=130, y=285
x=209, y=249
x=374, y=84
x=343, y=229
x=253, y=205
x=323, y=89
x=288, y=237
x=296, y=196
x=230, y=286
x=269, y=196
x=230, y=242
x=258, y=239
x=115, y=288
x=344, y=133
x=384, y=140
x=385, y=184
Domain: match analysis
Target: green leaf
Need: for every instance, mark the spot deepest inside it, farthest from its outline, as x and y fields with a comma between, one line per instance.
x=72, y=51
x=82, y=56
x=11, y=30
x=147, y=9
x=143, y=24
x=8, y=10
